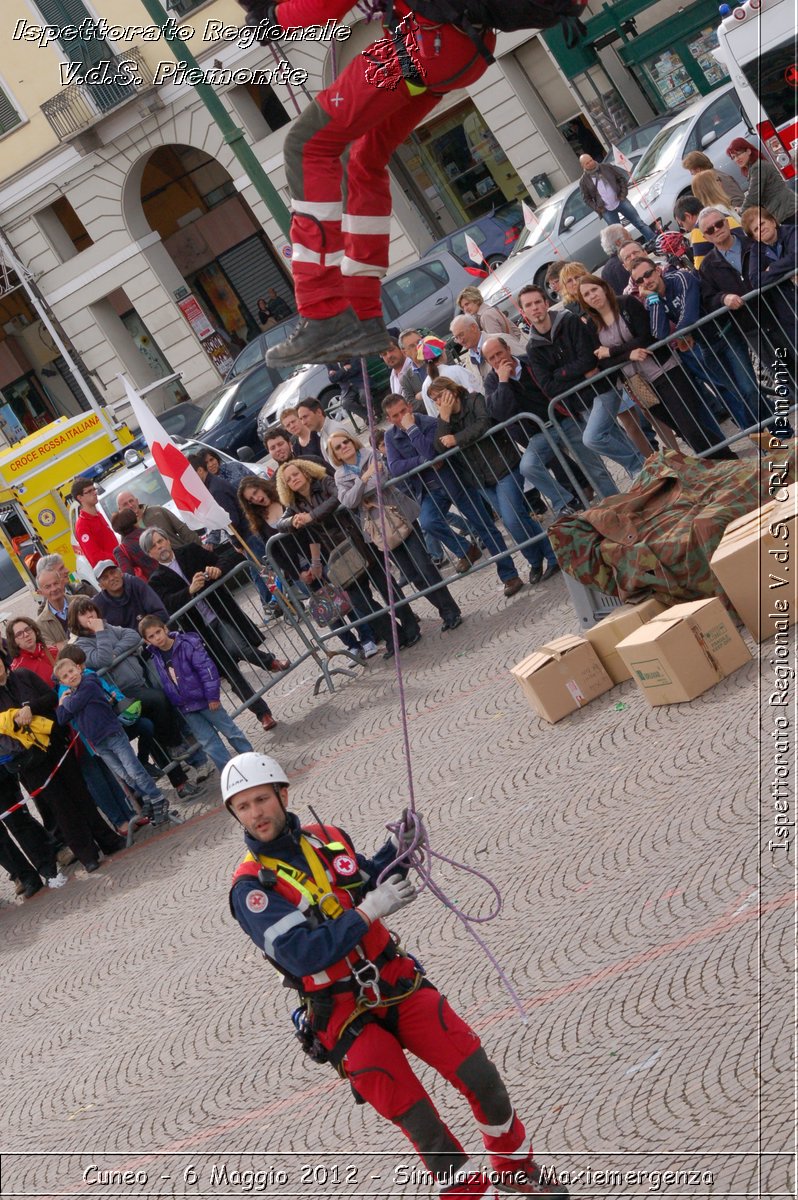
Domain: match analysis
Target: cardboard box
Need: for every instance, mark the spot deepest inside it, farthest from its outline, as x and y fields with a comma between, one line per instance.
x=561, y=677
x=756, y=564
x=622, y=621
x=683, y=651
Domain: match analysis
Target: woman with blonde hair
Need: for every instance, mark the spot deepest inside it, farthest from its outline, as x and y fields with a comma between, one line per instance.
x=570, y=275
x=697, y=161
x=312, y=507
x=709, y=191
x=491, y=320
x=356, y=475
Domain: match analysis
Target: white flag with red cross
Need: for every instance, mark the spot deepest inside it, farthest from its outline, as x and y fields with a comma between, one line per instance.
x=191, y=498
x=620, y=160
x=474, y=252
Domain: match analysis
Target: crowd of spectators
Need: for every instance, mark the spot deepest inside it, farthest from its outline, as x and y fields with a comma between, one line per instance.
x=614, y=366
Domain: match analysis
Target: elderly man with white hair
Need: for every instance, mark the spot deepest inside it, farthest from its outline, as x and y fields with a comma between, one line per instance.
x=467, y=332
x=613, y=237
x=56, y=591
x=176, y=530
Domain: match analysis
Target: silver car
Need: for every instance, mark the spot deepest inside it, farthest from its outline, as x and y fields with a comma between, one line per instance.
x=420, y=296
x=566, y=229
x=709, y=125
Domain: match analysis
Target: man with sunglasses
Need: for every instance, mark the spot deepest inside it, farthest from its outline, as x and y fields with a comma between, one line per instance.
x=724, y=281
x=95, y=536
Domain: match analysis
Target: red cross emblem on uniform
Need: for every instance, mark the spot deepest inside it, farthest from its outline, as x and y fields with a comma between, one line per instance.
x=344, y=865
x=386, y=64
x=791, y=75
x=257, y=901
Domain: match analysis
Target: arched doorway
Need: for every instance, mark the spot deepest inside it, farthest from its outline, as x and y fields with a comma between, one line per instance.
x=213, y=239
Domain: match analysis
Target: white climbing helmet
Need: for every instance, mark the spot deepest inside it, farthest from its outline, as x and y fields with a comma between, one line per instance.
x=248, y=770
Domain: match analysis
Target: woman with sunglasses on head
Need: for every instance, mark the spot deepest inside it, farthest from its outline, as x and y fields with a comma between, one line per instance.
x=356, y=478
x=766, y=187
x=624, y=334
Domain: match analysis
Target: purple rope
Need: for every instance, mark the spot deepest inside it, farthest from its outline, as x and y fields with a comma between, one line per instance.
x=415, y=849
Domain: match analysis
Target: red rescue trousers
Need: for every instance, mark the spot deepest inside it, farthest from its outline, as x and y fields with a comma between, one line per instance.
x=336, y=158
x=378, y=1069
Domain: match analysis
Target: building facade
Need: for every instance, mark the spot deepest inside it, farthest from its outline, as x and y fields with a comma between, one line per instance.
x=149, y=243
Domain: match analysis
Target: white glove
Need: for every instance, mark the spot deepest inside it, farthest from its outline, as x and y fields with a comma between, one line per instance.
x=390, y=896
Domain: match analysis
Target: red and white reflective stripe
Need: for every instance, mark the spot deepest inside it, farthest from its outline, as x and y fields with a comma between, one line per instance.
x=322, y=210
x=303, y=254
x=37, y=791
x=351, y=266
x=497, y=1130
x=12, y=809
x=377, y=226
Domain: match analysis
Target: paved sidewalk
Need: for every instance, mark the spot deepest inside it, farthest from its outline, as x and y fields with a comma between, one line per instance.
x=142, y=1031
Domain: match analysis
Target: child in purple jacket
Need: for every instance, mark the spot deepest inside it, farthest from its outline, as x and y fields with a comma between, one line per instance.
x=191, y=682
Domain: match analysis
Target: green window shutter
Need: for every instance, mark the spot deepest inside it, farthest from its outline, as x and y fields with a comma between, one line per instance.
x=9, y=117
x=74, y=12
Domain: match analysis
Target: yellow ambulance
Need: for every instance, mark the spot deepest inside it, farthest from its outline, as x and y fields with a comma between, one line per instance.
x=35, y=477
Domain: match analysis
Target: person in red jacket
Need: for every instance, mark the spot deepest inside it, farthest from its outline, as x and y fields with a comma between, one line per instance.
x=341, y=144
x=95, y=536
x=313, y=906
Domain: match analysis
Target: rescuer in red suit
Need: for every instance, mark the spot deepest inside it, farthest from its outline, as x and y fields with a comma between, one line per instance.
x=340, y=146
x=313, y=906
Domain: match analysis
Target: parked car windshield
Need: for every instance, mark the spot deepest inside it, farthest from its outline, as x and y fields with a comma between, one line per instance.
x=148, y=487
x=662, y=151
x=215, y=411
x=546, y=220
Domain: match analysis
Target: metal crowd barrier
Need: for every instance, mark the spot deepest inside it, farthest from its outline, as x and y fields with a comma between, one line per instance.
x=484, y=522
x=728, y=379
x=285, y=639
x=746, y=378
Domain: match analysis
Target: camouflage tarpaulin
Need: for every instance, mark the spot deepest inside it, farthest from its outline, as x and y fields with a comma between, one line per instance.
x=660, y=535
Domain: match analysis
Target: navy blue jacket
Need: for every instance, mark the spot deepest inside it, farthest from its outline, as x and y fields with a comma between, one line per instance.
x=767, y=263
x=407, y=449
x=137, y=600
x=298, y=945
x=679, y=307
x=89, y=709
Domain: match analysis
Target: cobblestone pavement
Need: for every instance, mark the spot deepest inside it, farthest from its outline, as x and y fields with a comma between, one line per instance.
x=142, y=1032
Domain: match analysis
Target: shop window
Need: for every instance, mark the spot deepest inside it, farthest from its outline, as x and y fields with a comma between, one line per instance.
x=701, y=47
x=466, y=164
x=181, y=8
x=28, y=403
x=64, y=229
x=671, y=79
